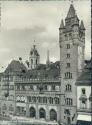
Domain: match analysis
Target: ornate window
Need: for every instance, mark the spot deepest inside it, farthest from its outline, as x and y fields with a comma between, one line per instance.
x=53, y=87
x=44, y=99
x=68, y=87
x=42, y=113
x=29, y=99
x=31, y=87
x=57, y=101
x=32, y=112
x=69, y=101
x=34, y=99
x=22, y=87
x=68, y=65
x=68, y=46
x=68, y=75
x=31, y=61
x=53, y=115
x=50, y=100
x=45, y=87
x=18, y=87
x=68, y=55
x=36, y=62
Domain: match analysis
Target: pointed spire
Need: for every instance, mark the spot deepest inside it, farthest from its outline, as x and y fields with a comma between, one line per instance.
x=34, y=44
x=62, y=24
x=71, y=12
x=48, y=61
x=82, y=26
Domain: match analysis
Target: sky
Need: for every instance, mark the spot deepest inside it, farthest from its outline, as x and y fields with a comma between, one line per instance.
x=24, y=22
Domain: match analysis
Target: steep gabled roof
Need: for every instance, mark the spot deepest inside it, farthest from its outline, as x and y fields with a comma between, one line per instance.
x=16, y=66
x=86, y=77
x=43, y=71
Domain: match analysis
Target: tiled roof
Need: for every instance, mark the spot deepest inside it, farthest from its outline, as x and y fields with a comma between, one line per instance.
x=16, y=66
x=43, y=71
x=71, y=12
x=85, y=78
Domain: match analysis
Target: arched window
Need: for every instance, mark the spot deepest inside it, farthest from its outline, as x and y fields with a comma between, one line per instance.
x=36, y=62
x=32, y=112
x=53, y=115
x=31, y=61
x=68, y=87
x=68, y=75
x=44, y=99
x=42, y=113
x=56, y=100
x=51, y=100
x=69, y=101
x=34, y=99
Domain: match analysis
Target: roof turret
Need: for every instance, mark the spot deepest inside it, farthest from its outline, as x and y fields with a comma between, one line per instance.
x=34, y=51
x=62, y=24
x=82, y=26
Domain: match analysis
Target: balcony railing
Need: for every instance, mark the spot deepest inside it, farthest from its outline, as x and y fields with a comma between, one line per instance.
x=29, y=80
x=38, y=92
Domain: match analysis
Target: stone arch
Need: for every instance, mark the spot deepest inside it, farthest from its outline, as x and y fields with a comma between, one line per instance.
x=53, y=115
x=42, y=113
x=32, y=112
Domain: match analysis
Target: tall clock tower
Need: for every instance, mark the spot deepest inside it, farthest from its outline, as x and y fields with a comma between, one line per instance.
x=72, y=44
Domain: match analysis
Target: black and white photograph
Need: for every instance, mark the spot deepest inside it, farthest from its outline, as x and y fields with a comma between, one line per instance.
x=45, y=62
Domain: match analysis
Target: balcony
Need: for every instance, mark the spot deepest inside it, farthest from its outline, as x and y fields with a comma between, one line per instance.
x=28, y=92
x=27, y=80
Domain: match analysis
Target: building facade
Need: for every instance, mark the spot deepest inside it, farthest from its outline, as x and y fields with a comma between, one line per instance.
x=84, y=96
x=72, y=44
x=47, y=91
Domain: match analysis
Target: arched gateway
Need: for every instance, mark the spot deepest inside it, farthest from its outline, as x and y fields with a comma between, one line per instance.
x=32, y=112
x=53, y=115
x=42, y=113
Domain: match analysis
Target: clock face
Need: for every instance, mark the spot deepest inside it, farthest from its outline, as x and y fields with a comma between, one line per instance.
x=79, y=57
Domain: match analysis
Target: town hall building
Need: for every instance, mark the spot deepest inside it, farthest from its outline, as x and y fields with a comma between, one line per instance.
x=47, y=91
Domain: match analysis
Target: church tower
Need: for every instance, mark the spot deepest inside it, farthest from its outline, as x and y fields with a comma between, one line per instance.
x=72, y=44
x=34, y=58
x=48, y=60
